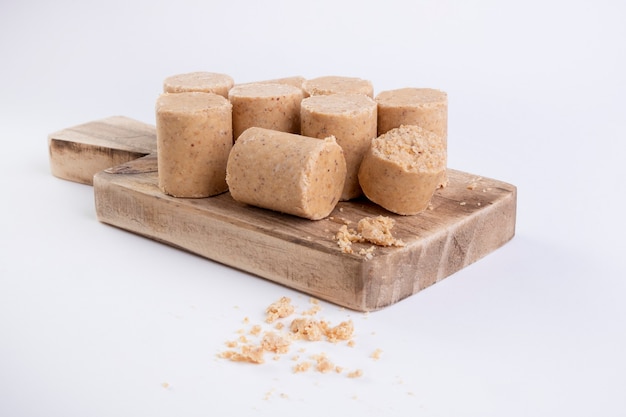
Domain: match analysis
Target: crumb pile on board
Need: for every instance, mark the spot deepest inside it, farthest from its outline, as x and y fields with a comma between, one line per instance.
x=375, y=230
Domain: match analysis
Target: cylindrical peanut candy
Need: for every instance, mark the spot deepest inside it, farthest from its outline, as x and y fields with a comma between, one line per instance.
x=333, y=84
x=289, y=173
x=266, y=105
x=194, y=139
x=403, y=168
x=206, y=82
x=351, y=119
x=424, y=107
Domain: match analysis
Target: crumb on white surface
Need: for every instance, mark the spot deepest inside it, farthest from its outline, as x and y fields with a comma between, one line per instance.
x=355, y=374
x=278, y=338
x=376, y=354
x=273, y=342
x=308, y=329
x=323, y=364
x=251, y=354
x=302, y=367
x=279, y=309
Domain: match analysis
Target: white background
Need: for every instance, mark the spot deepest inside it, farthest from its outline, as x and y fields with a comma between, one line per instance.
x=95, y=321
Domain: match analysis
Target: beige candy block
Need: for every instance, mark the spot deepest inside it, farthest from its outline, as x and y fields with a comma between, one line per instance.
x=424, y=107
x=403, y=168
x=289, y=173
x=333, y=84
x=206, y=82
x=351, y=118
x=266, y=105
x=194, y=138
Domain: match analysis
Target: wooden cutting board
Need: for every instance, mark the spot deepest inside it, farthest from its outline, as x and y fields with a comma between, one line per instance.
x=469, y=219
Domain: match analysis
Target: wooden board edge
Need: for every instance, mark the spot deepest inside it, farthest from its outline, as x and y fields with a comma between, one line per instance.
x=361, y=285
x=452, y=250
x=77, y=153
x=77, y=162
x=293, y=265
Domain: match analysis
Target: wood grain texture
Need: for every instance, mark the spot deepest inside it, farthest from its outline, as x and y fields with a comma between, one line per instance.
x=78, y=152
x=469, y=219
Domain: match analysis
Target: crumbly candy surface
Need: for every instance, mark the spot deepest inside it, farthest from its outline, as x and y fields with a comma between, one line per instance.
x=308, y=329
x=273, y=342
x=411, y=147
x=376, y=230
x=403, y=168
x=279, y=309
